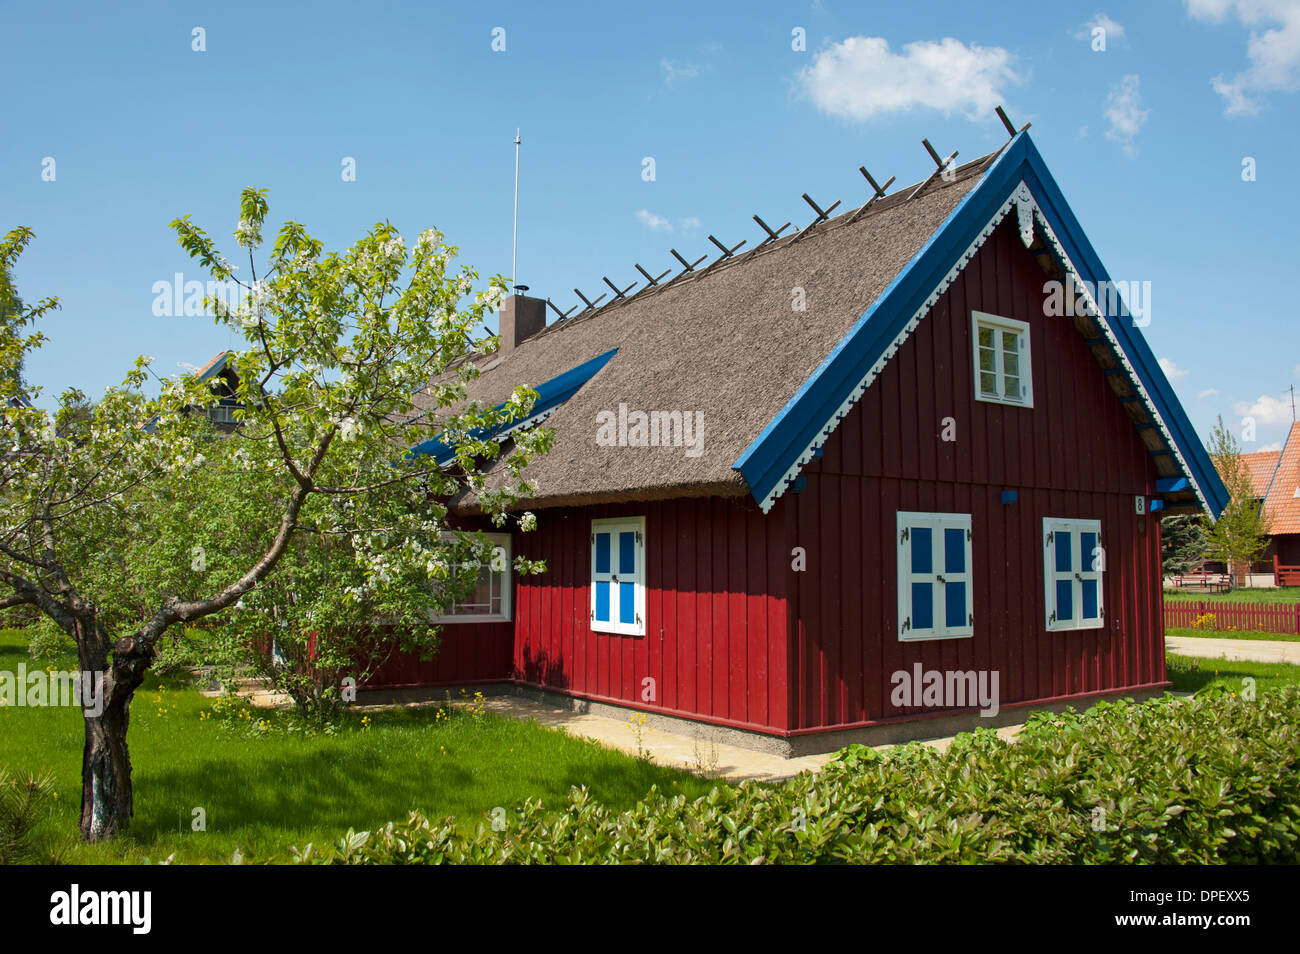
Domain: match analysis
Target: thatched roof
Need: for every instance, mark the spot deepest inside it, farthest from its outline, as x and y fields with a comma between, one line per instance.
x=728, y=344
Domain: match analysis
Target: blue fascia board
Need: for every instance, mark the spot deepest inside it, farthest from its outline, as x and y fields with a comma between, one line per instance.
x=765, y=462
x=1075, y=242
x=550, y=395
x=767, y=459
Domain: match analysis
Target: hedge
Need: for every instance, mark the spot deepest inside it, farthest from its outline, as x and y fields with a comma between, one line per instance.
x=1211, y=779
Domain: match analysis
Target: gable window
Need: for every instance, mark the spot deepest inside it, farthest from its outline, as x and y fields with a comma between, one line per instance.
x=618, y=575
x=1073, y=565
x=934, y=576
x=489, y=600
x=1002, y=367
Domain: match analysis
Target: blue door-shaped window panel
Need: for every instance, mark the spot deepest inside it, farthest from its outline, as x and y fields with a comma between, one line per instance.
x=617, y=575
x=934, y=576
x=1073, y=567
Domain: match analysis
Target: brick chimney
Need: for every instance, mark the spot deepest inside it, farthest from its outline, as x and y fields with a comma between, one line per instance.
x=521, y=318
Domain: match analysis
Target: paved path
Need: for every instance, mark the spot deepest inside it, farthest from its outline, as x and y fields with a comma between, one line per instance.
x=696, y=753
x=1255, y=650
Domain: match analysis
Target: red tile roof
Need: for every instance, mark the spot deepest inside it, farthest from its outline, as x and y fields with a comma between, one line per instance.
x=1282, y=503
x=1261, y=465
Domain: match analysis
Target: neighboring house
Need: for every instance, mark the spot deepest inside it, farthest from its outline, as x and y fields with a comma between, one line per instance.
x=786, y=484
x=1275, y=475
x=224, y=383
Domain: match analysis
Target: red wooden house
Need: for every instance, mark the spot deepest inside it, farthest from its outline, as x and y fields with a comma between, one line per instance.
x=794, y=488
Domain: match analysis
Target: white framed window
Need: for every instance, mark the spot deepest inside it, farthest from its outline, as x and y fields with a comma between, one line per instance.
x=1074, y=564
x=1003, y=371
x=935, y=598
x=489, y=600
x=618, y=575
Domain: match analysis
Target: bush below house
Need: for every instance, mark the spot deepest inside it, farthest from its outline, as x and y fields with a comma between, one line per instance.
x=1211, y=779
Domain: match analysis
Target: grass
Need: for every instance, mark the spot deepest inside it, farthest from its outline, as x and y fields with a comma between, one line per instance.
x=1189, y=673
x=1275, y=594
x=1231, y=634
x=266, y=788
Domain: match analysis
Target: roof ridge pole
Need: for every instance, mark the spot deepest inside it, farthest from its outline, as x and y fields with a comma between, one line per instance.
x=686, y=266
x=822, y=216
x=651, y=280
x=772, y=235
x=940, y=166
x=879, y=190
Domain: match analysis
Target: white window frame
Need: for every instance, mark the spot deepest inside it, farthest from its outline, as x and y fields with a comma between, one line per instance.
x=1052, y=526
x=502, y=556
x=937, y=523
x=999, y=324
x=614, y=526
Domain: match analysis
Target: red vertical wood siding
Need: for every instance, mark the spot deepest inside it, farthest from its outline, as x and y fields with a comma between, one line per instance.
x=716, y=627
x=469, y=652
x=1074, y=454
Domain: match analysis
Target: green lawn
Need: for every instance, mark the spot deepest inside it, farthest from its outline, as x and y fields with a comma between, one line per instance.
x=1189, y=673
x=1276, y=594
x=1231, y=634
x=263, y=790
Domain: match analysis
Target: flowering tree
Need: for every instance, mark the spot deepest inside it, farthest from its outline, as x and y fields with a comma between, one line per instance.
x=1240, y=534
x=110, y=525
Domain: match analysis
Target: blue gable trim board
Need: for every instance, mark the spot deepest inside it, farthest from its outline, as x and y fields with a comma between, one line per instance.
x=1019, y=177
x=550, y=395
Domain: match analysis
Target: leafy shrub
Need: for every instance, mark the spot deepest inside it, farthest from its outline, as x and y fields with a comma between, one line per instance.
x=1211, y=779
x=45, y=641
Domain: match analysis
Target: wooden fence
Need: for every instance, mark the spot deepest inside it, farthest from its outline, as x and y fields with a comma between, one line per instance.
x=1264, y=617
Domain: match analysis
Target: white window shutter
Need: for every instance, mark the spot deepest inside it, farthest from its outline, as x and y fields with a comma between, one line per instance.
x=935, y=592
x=618, y=579
x=1073, y=574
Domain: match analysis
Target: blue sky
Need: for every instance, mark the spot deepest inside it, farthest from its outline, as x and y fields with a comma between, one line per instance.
x=1147, y=139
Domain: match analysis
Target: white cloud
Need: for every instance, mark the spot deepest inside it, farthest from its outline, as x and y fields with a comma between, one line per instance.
x=1114, y=31
x=1275, y=446
x=1208, y=392
x=1265, y=410
x=675, y=71
x=652, y=221
x=1171, y=370
x=690, y=222
x=1274, y=54
x=859, y=78
x=1125, y=113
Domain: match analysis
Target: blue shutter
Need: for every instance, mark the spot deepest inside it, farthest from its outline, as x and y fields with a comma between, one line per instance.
x=1089, y=598
x=1064, y=564
x=954, y=561
x=922, y=593
x=627, y=577
x=600, y=582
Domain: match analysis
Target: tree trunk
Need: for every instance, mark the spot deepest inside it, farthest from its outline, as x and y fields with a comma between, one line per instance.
x=106, y=795
x=106, y=798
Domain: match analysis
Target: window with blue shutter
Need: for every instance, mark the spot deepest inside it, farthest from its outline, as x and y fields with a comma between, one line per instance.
x=935, y=600
x=618, y=575
x=1073, y=565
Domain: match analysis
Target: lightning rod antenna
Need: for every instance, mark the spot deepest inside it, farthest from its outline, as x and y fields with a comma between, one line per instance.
x=514, y=251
